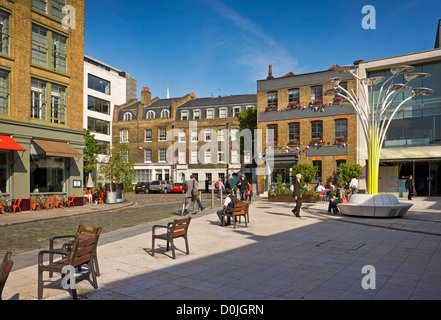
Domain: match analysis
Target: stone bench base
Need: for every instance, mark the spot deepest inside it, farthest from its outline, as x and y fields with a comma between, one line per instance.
x=377, y=206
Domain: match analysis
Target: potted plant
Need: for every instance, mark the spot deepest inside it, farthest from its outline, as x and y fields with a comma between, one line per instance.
x=280, y=191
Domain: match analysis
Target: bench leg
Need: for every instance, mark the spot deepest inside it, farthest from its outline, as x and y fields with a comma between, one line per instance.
x=186, y=244
x=172, y=247
x=153, y=246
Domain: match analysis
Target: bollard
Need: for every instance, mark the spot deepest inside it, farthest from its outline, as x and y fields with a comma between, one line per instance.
x=220, y=203
x=212, y=198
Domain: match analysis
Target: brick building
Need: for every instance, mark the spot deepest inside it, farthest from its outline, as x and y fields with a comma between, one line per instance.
x=41, y=94
x=194, y=129
x=308, y=126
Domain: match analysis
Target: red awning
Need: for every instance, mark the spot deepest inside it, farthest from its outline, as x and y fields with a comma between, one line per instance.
x=7, y=143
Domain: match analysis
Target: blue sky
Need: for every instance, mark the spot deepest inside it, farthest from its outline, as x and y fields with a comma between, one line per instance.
x=222, y=47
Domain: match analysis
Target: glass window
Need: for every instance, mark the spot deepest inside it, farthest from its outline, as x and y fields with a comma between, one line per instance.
x=194, y=135
x=221, y=135
x=341, y=128
x=98, y=84
x=59, y=52
x=196, y=114
x=207, y=156
x=47, y=174
x=316, y=93
x=234, y=134
x=221, y=156
x=98, y=126
x=148, y=155
x=208, y=135
x=39, y=45
x=294, y=95
x=148, y=135
x=162, y=134
x=38, y=99
x=165, y=114
x=223, y=113
x=294, y=133
x=210, y=114
x=182, y=157
x=275, y=129
x=53, y=8
x=127, y=116
x=162, y=155
x=194, y=156
x=317, y=129
x=40, y=5
x=272, y=98
x=150, y=115
x=184, y=115
x=318, y=165
x=4, y=172
x=57, y=8
x=182, y=136
x=58, y=104
x=4, y=92
x=124, y=136
x=103, y=146
x=98, y=105
x=4, y=33
x=236, y=111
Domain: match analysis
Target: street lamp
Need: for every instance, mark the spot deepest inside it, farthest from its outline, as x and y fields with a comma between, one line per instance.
x=227, y=159
x=377, y=116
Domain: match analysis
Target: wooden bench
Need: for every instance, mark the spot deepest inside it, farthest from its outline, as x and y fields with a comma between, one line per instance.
x=240, y=209
x=82, y=253
x=176, y=229
x=83, y=232
x=5, y=269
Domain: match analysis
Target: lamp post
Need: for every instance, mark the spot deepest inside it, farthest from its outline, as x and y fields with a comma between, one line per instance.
x=227, y=159
x=376, y=114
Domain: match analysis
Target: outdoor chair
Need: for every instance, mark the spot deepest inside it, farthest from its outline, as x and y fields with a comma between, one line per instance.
x=16, y=206
x=50, y=204
x=71, y=201
x=82, y=253
x=5, y=269
x=34, y=205
x=240, y=209
x=2, y=208
x=176, y=229
x=58, y=203
x=83, y=232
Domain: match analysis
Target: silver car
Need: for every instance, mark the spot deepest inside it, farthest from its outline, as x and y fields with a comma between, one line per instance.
x=159, y=186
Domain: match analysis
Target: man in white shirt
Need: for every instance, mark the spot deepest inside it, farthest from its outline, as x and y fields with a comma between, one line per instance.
x=354, y=185
x=227, y=207
x=320, y=188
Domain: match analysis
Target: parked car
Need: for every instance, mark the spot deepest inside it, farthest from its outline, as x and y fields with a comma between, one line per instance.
x=159, y=186
x=177, y=187
x=142, y=187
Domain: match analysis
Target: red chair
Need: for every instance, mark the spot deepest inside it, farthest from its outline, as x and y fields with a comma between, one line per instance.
x=58, y=204
x=16, y=205
x=34, y=205
x=2, y=208
x=71, y=201
x=50, y=204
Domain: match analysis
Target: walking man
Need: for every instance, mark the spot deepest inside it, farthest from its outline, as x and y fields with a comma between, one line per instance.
x=297, y=193
x=192, y=192
x=410, y=186
x=242, y=186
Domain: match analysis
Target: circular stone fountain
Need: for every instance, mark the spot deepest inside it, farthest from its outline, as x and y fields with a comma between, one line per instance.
x=378, y=206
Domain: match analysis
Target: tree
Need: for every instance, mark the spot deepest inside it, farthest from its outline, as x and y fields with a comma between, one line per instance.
x=307, y=171
x=117, y=166
x=347, y=171
x=90, y=158
x=247, y=120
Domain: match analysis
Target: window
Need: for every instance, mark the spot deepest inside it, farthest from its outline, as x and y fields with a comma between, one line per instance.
x=341, y=128
x=148, y=155
x=294, y=133
x=275, y=129
x=317, y=129
x=339, y=163
x=318, y=165
x=207, y=158
x=98, y=84
x=103, y=146
x=234, y=156
x=221, y=156
x=150, y=115
x=208, y=135
x=124, y=136
x=223, y=113
x=148, y=135
x=98, y=105
x=236, y=111
x=58, y=104
x=182, y=136
x=272, y=98
x=162, y=155
x=165, y=114
x=193, y=156
x=40, y=90
x=294, y=95
x=196, y=114
x=210, y=113
x=184, y=115
x=221, y=135
x=53, y=8
x=98, y=126
x=4, y=33
x=316, y=93
x=194, y=136
x=182, y=157
x=49, y=49
x=4, y=92
x=162, y=134
x=234, y=134
x=127, y=116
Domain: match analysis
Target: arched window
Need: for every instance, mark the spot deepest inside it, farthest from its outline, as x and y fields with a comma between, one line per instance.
x=165, y=113
x=150, y=115
x=127, y=116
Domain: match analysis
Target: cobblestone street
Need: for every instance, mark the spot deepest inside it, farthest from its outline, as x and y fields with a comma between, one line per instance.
x=26, y=237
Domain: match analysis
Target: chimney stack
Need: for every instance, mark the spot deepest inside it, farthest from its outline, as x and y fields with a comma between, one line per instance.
x=270, y=73
x=146, y=96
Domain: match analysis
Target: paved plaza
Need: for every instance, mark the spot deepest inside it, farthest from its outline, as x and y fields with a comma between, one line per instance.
x=277, y=257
